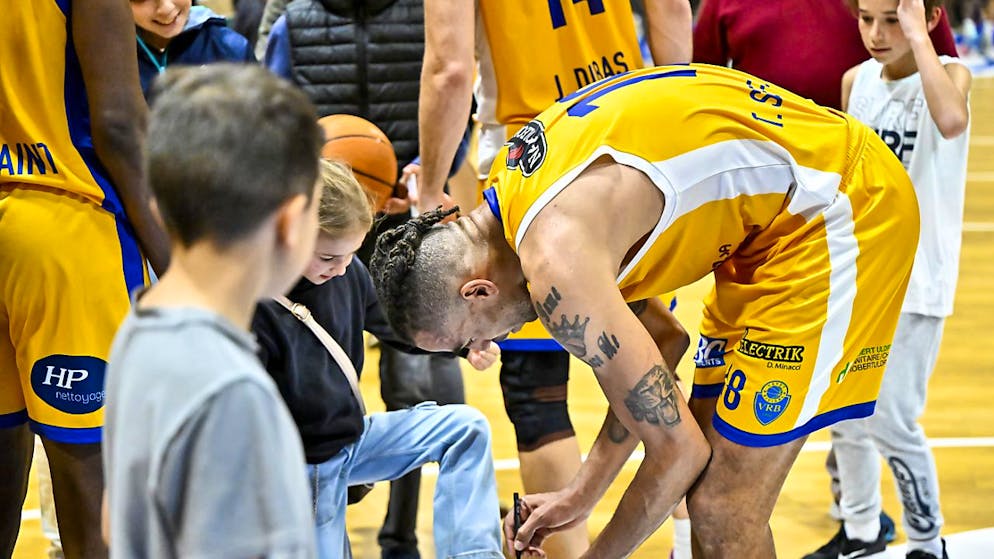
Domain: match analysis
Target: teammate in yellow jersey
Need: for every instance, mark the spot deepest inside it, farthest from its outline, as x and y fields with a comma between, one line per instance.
x=644, y=183
x=75, y=229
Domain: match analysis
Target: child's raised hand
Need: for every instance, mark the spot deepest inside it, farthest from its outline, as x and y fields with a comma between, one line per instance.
x=913, y=19
x=482, y=359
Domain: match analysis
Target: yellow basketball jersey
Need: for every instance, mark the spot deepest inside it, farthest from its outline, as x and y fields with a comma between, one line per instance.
x=45, y=135
x=536, y=52
x=729, y=152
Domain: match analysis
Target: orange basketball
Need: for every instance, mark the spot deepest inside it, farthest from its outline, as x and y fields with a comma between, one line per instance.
x=364, y=147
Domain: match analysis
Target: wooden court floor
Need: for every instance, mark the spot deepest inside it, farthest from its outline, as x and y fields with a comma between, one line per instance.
x=959, y=417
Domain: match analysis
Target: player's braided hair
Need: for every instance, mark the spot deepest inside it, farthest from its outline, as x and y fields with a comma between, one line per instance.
x=405, y=286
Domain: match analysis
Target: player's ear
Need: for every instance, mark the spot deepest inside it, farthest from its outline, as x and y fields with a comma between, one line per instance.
x=478, y=289
x=290, y=220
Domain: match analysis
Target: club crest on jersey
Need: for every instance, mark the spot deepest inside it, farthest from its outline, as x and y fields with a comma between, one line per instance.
x=771, y=401
x=527, y=149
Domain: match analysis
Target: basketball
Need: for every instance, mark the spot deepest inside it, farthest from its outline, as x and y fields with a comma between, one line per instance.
x=364, y=147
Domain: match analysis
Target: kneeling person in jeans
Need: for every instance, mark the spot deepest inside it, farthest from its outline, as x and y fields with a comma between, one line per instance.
x=345, y=448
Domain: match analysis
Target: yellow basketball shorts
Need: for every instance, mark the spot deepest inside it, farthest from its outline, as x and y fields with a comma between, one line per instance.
x=67, y=267
x=797, y=330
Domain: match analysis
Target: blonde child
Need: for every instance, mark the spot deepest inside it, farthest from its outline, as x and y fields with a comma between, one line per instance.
x=343, y=446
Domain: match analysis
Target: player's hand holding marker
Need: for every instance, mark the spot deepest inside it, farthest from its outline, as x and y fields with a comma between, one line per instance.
x=542, y=515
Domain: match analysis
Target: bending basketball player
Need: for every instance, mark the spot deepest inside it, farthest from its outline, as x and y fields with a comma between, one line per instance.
x=636, y=186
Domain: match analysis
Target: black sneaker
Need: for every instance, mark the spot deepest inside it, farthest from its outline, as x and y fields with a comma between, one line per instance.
x=922, y=554
x=831, y=549
x=841, y=547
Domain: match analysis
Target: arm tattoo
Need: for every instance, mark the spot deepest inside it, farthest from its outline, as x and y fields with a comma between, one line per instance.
x=654, y=398
x=638, y=307
x=570, y=333
x=615, y=430
x=551, y=303
x=608, y=344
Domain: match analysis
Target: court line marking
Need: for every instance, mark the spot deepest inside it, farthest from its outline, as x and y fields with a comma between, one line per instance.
x=982, y=140
x=811, y=446
x=637, y=456
x=980, y=176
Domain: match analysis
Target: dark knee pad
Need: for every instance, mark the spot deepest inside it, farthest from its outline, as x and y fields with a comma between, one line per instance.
x=534, y=387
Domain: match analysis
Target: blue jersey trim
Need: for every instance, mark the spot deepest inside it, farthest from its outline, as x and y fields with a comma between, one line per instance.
x=131, y=256
x=530, y=344
x=86, y=435
x=8, y=420
x=673, y=304
x=700, y=391
x=78, y=119
x=741, y=437
x=64, y=7
x=490, y=195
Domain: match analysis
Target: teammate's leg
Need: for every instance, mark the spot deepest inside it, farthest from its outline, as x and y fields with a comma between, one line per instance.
x=69, y=293
x=550, y=468
x=77, y=483
x=731, y=503
x=534, y=388
x=16, y=445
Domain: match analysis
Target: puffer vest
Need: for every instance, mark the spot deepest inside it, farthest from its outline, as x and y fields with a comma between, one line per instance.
x=362, y=57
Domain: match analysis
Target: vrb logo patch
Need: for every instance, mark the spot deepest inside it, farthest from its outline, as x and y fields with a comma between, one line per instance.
x=70, y=383
x=771, y=401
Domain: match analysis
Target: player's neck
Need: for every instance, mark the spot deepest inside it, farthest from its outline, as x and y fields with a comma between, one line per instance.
x=227, y=282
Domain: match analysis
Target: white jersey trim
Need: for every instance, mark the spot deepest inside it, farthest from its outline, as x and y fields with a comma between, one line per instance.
x=843, y=251
x=720, y=171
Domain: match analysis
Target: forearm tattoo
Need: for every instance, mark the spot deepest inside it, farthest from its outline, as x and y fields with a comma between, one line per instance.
x=654, y=398
x=616, y=432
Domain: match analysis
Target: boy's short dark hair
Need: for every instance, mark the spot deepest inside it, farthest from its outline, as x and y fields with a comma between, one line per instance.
x=227, y=145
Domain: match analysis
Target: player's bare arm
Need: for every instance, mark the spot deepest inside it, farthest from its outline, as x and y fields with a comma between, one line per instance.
x=577, y=299
x=669, y=24
x=614, y=443
x=446, y=92
x=118, y=113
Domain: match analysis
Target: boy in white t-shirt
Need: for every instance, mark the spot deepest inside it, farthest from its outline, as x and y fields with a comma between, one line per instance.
x=917, y=102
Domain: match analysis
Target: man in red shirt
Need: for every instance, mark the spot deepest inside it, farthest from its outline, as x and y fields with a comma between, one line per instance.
x=802, y=45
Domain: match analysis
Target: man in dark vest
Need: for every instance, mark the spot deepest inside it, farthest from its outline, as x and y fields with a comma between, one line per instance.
x=363, y=57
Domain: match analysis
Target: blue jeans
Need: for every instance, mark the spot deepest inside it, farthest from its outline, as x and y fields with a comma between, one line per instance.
x=467, y=518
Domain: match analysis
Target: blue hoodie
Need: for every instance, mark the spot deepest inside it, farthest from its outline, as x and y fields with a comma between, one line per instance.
x=205, y=38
